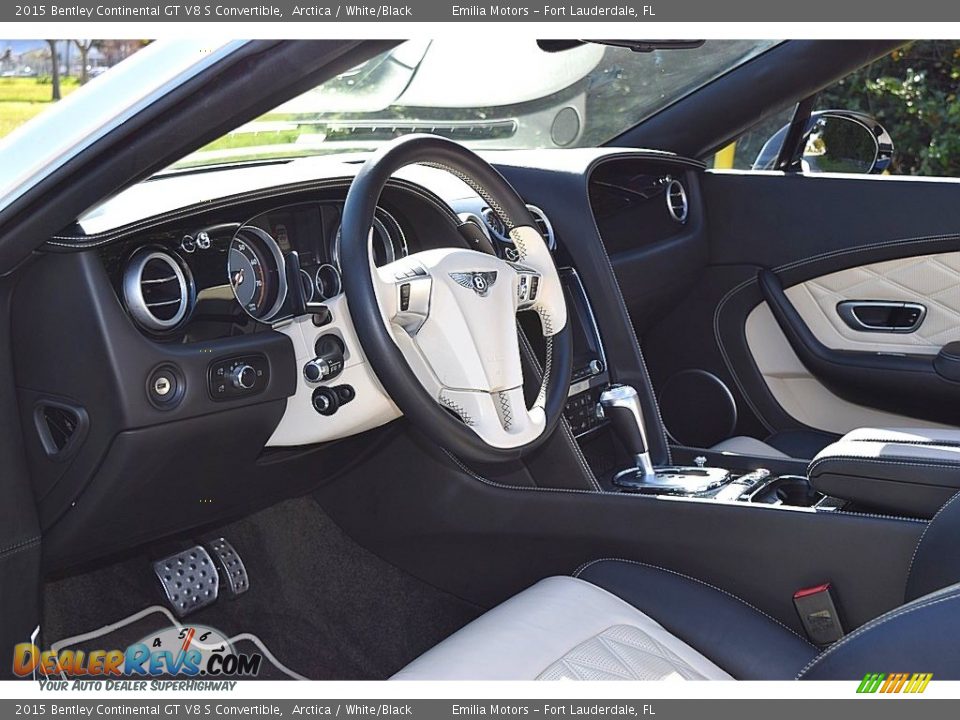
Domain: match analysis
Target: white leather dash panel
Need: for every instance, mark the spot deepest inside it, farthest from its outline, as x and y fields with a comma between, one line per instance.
x=622, y=652
x=933, y=280
x=562, y=627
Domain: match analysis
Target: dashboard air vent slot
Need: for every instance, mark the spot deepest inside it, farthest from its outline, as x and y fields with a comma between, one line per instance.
x=156, y=290
x=677, y=203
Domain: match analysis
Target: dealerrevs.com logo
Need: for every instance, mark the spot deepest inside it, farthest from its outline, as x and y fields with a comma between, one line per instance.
x=174, y=652
x=912, y=683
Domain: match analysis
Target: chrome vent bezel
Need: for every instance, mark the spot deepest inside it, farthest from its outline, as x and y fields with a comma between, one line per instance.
x=678, y=204
x=135, y=299
x=544, y=226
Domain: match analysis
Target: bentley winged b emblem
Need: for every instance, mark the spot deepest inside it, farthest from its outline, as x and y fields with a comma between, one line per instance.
x=479, y=282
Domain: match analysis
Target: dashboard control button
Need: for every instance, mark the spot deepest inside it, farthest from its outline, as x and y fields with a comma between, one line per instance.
x=316, y=370
x=325, y=401
x=329, y=360
x=162, y=386
x=345, y=393
x=243, y=377
x=237, y=377
x=320, y=315
x=165, y=387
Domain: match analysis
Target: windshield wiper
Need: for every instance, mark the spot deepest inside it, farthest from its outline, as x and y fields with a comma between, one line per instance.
x=640, y=46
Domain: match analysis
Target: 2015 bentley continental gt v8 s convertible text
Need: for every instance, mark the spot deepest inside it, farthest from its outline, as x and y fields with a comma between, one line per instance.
x=366, y=360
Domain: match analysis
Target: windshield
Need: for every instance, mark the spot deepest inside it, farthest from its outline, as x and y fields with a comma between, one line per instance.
x=464, y=89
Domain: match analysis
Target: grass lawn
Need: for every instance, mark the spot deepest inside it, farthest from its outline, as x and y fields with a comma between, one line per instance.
x=23, y=98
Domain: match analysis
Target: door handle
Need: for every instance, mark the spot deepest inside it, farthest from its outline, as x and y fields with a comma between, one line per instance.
x=884, y=316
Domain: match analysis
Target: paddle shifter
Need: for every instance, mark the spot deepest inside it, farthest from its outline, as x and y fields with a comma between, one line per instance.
x=621, y=406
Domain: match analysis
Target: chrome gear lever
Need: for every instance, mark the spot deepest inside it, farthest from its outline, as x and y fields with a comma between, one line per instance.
x=621, y=406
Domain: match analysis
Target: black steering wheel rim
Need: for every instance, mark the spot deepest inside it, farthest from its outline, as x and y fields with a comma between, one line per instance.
x=385, y=358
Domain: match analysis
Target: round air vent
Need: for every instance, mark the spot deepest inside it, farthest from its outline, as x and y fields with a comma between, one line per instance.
x=156, y=290
x=677, y=204
x=495, y=224
x=543, y=224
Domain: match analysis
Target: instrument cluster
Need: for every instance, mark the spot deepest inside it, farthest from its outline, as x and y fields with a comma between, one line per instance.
x=190, y=285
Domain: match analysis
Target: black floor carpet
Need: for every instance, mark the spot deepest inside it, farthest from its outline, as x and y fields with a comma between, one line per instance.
x=324, y=606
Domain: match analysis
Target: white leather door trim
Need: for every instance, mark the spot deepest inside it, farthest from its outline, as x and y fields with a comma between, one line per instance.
x=933, y=280
x=801, y=395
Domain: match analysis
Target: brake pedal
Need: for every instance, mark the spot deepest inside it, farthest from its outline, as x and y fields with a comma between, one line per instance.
x=233, y=573
x=189, y=579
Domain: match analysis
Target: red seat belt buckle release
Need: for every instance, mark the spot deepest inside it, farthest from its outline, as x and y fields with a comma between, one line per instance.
x=818, y=613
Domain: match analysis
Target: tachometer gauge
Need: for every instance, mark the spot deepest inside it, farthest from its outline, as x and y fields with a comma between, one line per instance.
x=255, y=267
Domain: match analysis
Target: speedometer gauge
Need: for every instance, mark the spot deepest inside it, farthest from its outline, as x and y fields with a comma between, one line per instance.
x=255, y=267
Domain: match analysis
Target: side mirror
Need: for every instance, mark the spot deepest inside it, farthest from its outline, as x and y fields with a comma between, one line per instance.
x=835, y=141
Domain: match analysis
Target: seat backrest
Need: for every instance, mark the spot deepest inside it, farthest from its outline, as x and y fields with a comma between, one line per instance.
x=936, y=562
x=919, y=636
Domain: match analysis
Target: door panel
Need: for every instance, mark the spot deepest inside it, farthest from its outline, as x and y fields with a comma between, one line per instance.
x=930, y=280
x=825, y=239
x=799, y=393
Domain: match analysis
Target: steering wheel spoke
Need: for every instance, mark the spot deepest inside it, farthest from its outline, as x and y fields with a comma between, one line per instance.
x=404, y=289
x=500, y=418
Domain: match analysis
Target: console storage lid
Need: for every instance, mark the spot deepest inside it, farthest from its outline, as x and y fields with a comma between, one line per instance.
x=911, y=471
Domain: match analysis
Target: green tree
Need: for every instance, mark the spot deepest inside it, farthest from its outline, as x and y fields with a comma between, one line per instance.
x=54, y=69
x=913, y=93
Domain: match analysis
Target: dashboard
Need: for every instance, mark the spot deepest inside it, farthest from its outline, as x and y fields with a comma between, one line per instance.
x=220, y=279
x=215, y=361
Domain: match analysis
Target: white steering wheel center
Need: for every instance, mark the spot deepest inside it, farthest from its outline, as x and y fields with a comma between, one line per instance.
x=453, y=312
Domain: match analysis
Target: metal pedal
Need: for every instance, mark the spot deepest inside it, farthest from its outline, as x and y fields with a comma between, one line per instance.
x=233, y=573
x=189, y=579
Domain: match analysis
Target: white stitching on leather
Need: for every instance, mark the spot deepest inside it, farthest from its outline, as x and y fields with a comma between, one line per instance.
x=583, y=567
x=504, y=486
x=916, y=548
x=892, y=615
x=920, y=240
x=479, y=189
x=506, y=411
x=455, y=407
x=880, y=461
x=726, y=357
x=568, y=434
x=642, y=497
x=879, y=516
x=636, y=340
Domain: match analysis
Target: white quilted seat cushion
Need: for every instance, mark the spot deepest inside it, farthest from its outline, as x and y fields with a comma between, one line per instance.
x=563, y=628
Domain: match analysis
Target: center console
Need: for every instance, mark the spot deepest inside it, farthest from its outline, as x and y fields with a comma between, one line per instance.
x=621, y=406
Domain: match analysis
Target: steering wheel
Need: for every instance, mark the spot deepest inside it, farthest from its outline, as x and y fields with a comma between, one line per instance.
x=439, y=327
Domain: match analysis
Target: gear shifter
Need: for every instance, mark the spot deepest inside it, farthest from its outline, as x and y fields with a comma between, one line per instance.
x=621, y=406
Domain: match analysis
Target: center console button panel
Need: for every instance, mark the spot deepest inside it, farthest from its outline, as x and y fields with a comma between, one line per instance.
x=237, y=377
